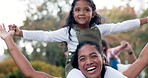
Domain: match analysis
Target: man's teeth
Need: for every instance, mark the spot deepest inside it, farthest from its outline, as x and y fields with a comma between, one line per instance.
x=91, y=68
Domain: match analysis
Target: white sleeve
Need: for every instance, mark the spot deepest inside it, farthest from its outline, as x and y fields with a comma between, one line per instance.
x=123, y=67
x=112, y=73
x=124, y=26
x=47, y=36
x=75, y=73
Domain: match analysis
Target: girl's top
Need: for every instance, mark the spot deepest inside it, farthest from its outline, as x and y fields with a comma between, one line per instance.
x=62, y=34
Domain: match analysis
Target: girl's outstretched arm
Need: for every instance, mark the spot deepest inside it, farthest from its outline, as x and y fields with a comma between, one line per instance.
x=143, y=20
x=20, y=60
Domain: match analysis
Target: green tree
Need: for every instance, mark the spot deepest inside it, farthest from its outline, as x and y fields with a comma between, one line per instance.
x=10, y=70
x=41, y=17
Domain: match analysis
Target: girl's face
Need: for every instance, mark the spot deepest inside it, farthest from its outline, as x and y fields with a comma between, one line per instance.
x=82, y=13
x=90, y=61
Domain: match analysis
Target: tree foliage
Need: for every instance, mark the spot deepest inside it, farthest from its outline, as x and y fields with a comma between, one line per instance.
x=44, y=19
x=10, y=70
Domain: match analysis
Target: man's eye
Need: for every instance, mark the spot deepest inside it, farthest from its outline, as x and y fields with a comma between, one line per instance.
x=82, y=59
x=94, y=56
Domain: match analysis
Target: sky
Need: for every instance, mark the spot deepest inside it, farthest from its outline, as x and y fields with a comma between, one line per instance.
x=13, y=11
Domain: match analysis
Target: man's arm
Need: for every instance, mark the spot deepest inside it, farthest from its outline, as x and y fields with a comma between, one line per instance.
x=135, y=69
x=20, y=60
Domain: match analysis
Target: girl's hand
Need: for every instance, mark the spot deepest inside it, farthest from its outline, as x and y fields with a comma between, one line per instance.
x=4, y=34
x=17, y=32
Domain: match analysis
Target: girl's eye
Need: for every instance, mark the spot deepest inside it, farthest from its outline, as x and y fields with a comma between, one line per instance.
x=86, y=10
x=77, y=10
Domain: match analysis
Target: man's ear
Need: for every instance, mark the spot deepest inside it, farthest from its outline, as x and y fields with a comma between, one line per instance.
x=103, y=59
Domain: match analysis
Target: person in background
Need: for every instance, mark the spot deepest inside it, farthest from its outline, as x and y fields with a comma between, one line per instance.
x=112, y=54
x=64, y=48
x=130, y=54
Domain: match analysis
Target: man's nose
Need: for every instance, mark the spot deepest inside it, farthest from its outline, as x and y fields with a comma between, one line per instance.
x=89, y=61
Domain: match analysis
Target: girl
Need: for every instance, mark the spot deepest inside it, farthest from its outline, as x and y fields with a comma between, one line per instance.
x=83, y=23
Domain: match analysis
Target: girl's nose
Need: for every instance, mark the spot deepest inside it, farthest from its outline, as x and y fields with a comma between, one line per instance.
x=81, y=13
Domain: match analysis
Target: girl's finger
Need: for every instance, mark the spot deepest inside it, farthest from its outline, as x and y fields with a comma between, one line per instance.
x=10, y=27
x=4, y=27
x=1, y=29
x=14, y=25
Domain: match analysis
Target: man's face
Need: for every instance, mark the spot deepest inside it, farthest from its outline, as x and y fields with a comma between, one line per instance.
x=90, y=61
